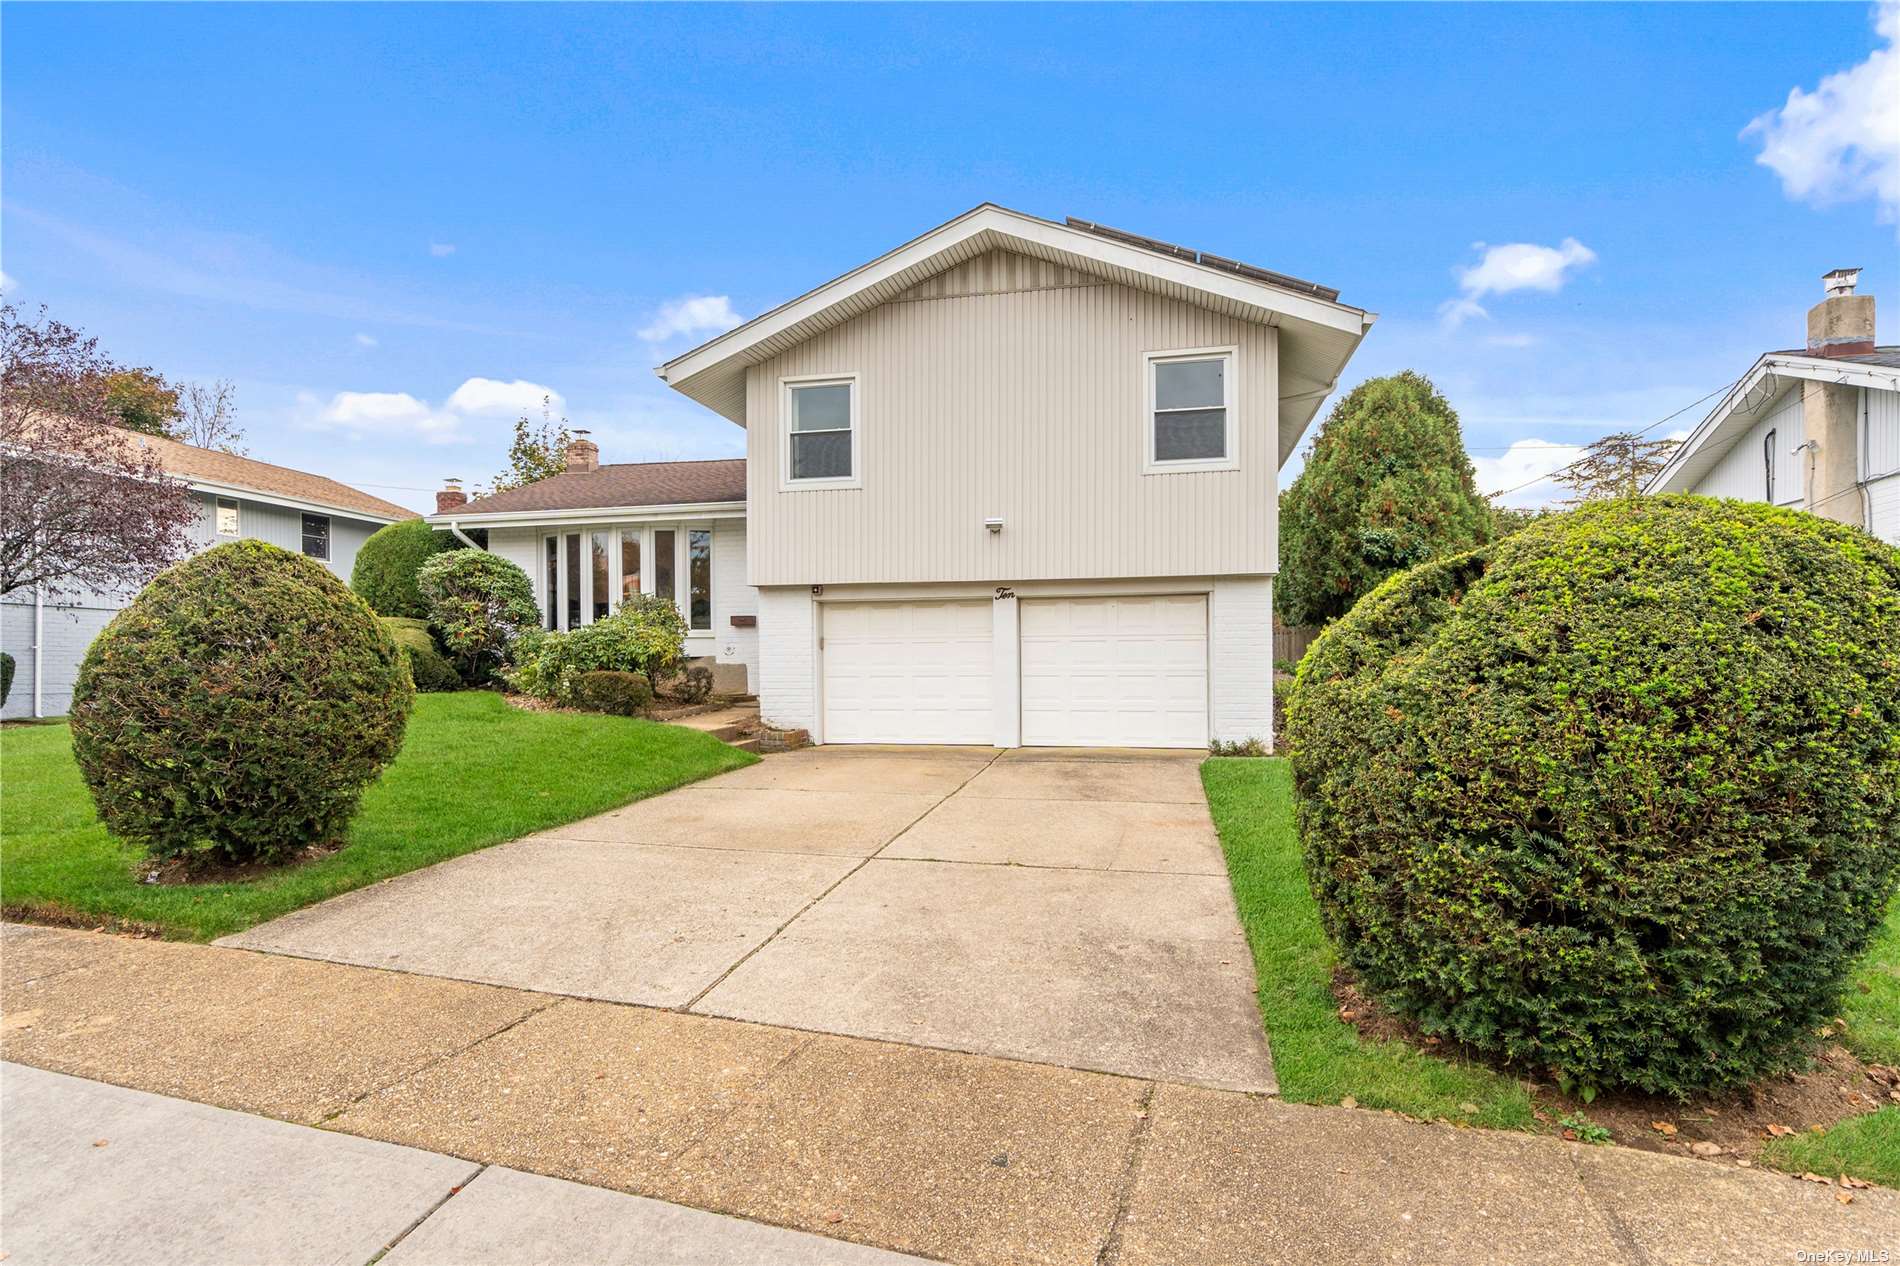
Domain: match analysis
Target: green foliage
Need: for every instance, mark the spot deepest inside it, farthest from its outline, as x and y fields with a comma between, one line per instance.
x=1317, y=1057
x=644, y=636
x=1506, y=520
x=428, y=667
x=1864, y=1147
x=1618, y=797
x=1386, y=486
x=237, y=709
x=480, y=604
x=142, y=401
x=1581, y=1128
x=618, y=694
x=385, y=572
x=6, y=676
x=536, y=453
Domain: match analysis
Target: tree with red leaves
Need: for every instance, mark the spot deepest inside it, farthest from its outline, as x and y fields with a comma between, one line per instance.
x=84, y=507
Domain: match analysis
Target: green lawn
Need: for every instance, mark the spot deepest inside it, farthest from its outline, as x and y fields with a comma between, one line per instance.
x=473, y=772
x=1319, y=1058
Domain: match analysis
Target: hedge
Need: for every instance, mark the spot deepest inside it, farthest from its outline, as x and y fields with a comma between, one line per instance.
x=238, y=707
x=480, y=604
x=428, y=667
x=385, y=571
x=1617, y=798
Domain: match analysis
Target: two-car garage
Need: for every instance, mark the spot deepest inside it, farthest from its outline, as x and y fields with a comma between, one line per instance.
x=1094, y=671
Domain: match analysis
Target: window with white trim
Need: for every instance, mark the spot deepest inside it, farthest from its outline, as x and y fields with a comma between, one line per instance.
x=227, y=517
x=821, y=422
x=1190, y=423
x=316, y=536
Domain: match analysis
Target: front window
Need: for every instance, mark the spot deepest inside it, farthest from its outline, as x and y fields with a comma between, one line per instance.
x=821, y=432
x=663, y=564
x=228, y=517
x=316, y=536
x=573, y=580
x=1190, y=411
x=699, y=578
x=629, y=564
x=553, y=604
x=603, y=588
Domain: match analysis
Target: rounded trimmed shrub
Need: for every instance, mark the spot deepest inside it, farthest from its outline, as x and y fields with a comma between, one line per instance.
x=428, y=667
x=1617, y=797
x=480, y=604
x=238, y=708
x=6, y=676
x=385, y=572
x=618, y=694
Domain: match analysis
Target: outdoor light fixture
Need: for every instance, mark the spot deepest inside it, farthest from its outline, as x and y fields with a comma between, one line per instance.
x=994, y=525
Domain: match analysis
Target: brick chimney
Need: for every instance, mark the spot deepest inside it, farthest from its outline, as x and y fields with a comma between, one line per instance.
x=451, y=497
x=1843, y=323
x=583, y=455
x=1840, y=325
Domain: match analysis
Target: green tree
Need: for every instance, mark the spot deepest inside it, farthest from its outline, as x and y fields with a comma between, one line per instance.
x=142, y=401
x=537, y=452
x=1386, y=486
x=1617, y=465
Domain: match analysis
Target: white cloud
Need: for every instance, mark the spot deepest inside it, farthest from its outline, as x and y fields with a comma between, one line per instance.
x=386, y=413
x=6, y=281
x=1841, y=142
x=1510, y=267
x=441, y=250
x=493, y=396
x=1511, y=340
x=1524, y=468
x=366, y=340
x=694, y=314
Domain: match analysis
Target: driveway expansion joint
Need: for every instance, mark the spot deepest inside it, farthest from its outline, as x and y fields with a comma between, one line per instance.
x=1111, y=1249
x=428, y=1213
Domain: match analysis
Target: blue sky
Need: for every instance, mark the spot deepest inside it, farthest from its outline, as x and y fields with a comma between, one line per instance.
x=390, y=226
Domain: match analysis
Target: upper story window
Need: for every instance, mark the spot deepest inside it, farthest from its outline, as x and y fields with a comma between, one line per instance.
x=1190, y=423
x=227, y=517
x=316, y=536
x=1768, y=464
x=821, y=433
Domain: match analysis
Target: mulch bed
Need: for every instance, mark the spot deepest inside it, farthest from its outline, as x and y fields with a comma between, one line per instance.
x=178, y=871
x=1730, y=1128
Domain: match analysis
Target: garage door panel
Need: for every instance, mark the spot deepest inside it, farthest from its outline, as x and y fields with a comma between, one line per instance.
x=1123, y=672
x=908, y=672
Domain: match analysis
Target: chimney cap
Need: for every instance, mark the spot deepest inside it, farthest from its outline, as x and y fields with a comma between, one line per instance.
x=1841, y=281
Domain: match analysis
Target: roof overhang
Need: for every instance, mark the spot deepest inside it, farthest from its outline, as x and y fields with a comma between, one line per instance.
x=1317, y=336
x=699, y=510
x=211, y=487
x=1752, y=398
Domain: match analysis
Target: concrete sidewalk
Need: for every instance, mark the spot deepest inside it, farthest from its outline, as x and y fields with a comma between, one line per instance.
x=960, y=1157
x=101, y=1174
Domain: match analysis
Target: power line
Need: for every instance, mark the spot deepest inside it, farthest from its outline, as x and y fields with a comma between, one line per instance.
x=1726, y=387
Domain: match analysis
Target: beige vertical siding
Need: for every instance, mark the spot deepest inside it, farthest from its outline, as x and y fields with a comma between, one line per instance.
x=1742, y=472
x=1028, y=405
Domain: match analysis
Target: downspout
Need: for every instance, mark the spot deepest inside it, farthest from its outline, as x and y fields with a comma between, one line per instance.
x=455, y=530
x=39, y=644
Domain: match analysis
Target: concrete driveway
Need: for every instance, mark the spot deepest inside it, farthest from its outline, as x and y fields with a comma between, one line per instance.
x=1064, y=907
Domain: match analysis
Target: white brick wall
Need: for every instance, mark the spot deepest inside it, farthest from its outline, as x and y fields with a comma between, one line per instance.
x=1240, y=658
x=788, y=643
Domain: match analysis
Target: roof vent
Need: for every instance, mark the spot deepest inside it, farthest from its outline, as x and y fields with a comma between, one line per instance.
x=1840, y=282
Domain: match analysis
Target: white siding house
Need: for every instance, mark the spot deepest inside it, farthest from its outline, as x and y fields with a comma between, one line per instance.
x=1016, y=482
x=1817, y=429
x=238, y=499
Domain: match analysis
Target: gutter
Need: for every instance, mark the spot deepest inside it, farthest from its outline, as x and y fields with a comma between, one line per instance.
x=455, y=530
x=39, y=645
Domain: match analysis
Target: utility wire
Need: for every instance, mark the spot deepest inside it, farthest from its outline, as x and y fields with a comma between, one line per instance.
x=1726, y=387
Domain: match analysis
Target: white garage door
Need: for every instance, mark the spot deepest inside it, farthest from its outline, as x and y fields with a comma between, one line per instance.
x=907, y=672
x=1115, y=672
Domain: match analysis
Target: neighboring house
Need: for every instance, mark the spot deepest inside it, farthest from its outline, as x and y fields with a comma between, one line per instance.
x=1817, y=429
x=237, y=498
x=1015, y=482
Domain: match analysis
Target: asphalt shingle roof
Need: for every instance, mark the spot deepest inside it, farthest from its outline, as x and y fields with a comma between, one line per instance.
x=189, y=462
x=622, y=484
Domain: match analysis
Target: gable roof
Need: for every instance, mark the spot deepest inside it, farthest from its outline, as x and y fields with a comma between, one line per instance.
x=616, y=486
x=1755, y=395
x=1318, y=333
x=209, y=470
